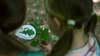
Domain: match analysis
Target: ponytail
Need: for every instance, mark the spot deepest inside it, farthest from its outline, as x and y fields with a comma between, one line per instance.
x=93, y=23
x=90, y=26
x=64, y=43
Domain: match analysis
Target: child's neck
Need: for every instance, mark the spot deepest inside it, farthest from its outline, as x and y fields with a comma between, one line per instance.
x=79, y=39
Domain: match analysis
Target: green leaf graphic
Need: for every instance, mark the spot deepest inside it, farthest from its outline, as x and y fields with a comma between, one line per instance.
x=28, y=31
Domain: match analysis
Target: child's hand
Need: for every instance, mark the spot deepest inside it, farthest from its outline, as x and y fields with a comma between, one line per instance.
x=46, y=47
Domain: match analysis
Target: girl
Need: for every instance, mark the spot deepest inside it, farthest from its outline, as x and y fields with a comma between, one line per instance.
x=74, y=22
x=12, y=15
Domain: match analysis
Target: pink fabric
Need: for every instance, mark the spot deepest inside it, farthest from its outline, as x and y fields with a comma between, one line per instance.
x=88, y=50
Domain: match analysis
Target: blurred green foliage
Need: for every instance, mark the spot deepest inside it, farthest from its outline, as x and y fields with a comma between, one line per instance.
x=42, y=34
x=36, y=18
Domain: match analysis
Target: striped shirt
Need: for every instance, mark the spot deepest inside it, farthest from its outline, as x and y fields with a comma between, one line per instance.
x=90, y=49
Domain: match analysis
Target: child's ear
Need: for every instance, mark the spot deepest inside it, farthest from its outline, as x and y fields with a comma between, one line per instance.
x=57, y=21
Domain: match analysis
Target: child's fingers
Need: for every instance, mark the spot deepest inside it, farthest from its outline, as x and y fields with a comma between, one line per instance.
x=46, y=48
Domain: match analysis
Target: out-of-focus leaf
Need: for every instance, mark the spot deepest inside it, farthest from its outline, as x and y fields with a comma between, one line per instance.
x=34, y=43
x=54, y=38
x=44, y=35
x=37, y=27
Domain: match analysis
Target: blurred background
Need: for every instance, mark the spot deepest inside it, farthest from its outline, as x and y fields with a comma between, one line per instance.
x=36, y=13
x=97, y=10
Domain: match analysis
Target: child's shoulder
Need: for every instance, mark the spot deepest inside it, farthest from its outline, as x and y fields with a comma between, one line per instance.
x=97, y=44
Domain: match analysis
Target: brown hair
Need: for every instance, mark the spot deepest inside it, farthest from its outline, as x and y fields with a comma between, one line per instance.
x=12, y=15
x=79, y=11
